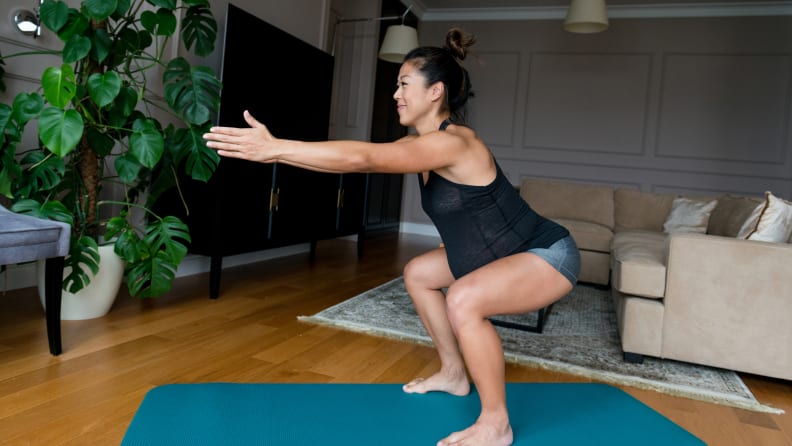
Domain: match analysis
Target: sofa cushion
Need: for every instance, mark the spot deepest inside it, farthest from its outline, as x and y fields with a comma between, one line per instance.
x=568, y=200
x=641, y=210
x=638, y=263
x=588, y=236
x=689, y=215
x=773, y=222
x=730, y=214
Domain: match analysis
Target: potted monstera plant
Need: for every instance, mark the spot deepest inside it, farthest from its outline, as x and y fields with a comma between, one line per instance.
x=108, y=145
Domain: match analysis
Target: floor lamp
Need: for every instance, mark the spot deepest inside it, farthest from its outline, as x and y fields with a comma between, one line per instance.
x=398, y=41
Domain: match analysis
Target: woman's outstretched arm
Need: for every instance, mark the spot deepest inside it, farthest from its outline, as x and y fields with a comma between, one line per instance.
x=407, y=155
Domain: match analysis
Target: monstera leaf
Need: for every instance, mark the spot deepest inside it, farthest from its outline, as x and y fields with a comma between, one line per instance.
x=54, y=14
x=43, y=174
x=200, y=28
x=60, y=130
x=76, y=48
x=59, y=84
x=83, y=257
x=146, y=143
x=26, y=107
x=160, y=23
x=100, y=9
x=192, y=91
x=103, y=88
x=52, y=210
x=153, y=274
x=201, y=160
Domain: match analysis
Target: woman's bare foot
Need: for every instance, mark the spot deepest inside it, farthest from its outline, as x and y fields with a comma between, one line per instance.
x=455, y=383
x=482, y=433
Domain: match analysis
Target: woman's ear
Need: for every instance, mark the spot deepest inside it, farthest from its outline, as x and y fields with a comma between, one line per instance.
x=436, y=90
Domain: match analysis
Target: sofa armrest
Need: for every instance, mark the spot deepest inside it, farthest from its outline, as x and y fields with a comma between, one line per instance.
x=728, y=303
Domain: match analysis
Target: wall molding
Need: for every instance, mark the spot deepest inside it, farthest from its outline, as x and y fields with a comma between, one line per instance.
x=720, y=9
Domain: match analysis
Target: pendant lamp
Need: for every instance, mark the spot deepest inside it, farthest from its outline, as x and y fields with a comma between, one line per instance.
x=586, y=16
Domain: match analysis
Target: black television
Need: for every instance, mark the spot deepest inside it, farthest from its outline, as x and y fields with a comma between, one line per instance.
x=283, y=81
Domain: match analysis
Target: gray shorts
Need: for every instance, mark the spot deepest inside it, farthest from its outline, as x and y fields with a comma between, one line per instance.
x=562, y=255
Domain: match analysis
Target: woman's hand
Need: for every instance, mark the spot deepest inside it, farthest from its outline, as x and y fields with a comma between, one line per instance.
x=255, y=143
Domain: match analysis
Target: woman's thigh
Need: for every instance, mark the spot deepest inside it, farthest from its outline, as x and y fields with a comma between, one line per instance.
x=429, y=270
x=519, y=283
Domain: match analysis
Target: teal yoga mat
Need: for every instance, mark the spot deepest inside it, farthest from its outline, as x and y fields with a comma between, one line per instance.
x=381, y=414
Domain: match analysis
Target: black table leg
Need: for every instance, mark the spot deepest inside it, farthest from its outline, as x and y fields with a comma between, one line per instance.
x=215, y=269
x=53, y=282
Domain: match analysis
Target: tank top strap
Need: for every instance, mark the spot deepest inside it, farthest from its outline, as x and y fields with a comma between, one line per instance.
x=444, y=124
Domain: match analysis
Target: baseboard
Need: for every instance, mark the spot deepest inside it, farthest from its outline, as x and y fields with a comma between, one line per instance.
x=195, y=264
x=419, y=229
x=24, y=275
x=18, y=276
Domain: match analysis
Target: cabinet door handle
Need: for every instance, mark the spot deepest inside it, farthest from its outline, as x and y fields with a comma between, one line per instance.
x=274, y=199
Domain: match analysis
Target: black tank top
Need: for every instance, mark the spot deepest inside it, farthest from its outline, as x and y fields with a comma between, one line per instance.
x=480, y=224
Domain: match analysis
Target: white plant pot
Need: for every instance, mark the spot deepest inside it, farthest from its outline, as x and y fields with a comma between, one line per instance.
x=97, y=298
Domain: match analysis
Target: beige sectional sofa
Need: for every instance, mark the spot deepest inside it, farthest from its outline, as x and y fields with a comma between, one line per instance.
x=709, y=297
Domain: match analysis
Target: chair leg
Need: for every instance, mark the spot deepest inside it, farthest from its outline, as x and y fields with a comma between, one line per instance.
x=53, y=281
x=540, y=322
x=633, y=358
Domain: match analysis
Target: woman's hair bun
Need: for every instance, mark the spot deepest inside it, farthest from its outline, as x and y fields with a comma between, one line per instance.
x=458, y=42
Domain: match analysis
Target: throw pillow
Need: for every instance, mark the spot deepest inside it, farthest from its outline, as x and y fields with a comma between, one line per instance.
x=750, y=223
x=689, y=215
x=731, y=213
x=772, y=222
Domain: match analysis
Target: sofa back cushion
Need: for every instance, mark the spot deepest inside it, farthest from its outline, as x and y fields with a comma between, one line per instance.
x=569, y=200
x=689, y=215
x=730, y=214
x=635, y=209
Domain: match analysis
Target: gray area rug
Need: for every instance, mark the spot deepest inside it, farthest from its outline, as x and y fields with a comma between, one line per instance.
x=579, y=338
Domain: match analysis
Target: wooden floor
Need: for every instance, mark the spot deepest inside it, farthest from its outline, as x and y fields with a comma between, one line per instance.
x=89, y=394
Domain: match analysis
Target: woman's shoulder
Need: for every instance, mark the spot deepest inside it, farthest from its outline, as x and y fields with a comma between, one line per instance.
x=457, y=139
x=409, y=137
x=463, y=131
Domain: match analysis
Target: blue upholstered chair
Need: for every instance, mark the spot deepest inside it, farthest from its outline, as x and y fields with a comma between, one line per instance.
x=24, y=239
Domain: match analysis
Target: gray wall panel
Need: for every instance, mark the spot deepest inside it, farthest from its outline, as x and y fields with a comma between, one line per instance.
x=496, y=76
x=724, y=107
x=587, y=102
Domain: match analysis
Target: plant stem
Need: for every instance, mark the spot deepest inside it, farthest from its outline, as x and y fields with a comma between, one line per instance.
x=30, y=53
x=131, y=205
x=89, y=172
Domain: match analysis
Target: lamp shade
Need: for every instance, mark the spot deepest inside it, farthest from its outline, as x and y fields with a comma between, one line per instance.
x=586, y=16
x=399, y=40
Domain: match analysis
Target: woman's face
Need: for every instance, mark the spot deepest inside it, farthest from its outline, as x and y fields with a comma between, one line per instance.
x=413, y=97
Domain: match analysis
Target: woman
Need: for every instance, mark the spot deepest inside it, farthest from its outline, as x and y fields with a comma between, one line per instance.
x=498, y=257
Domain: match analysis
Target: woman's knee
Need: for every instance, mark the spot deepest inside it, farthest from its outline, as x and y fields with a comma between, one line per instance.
x=429, y=270
x=462, y=304
x=413, y=272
